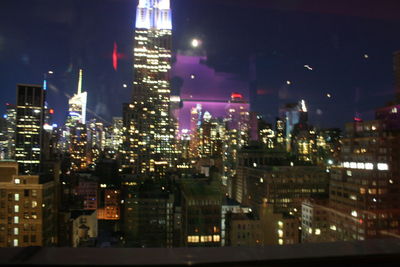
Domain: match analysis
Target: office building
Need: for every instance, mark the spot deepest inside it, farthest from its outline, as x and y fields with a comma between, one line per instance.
x=28, y=208
x=29, y=128
x=77, y=105
x=201, y=212
x=150, y=132
x=269, y=176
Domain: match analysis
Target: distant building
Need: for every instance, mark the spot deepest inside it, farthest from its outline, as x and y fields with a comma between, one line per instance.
x=84, y=227
x=29, y=128
x=77, y=105
x=315, y=225
x=269, y=176
x=87, y=191
x=243, y=229
x=3, y=138
x=148, y=215
x=280, y=228
x=78, y=147
x=11, y=117
x=201, y=212
x=111, y=202
x=230, y=206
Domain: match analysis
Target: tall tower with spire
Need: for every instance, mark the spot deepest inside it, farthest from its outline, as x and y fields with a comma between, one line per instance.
x=77, y=105
x=76, y=133
x=149, y=137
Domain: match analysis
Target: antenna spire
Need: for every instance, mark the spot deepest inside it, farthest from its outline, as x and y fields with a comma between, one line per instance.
x=80, y=82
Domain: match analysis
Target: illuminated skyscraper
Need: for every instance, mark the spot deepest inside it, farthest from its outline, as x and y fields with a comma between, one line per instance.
x=147, y=118
x=29, y=127
x=77, y=105
x=76, y=127
x=11, y=119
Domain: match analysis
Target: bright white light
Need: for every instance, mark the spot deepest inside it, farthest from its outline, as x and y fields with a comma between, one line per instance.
x=369, y=166
x=383, y=166
x=125, y=85
x=50, y=72
x=353, y=165
x=317, y=231
x=195, y=43
x=308, y=67
x=354, y=213
x=280, y=233
x=288, y=82
x=330, y=162
x=346, y=164
x=366, y=56
x=360, y=165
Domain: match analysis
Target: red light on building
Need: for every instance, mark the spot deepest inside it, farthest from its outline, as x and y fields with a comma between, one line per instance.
x=356, y=119
x=361, y=221
x=51, y=111
x=236, y=95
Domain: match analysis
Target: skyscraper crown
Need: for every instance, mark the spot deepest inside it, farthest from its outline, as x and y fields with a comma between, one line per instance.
x=154, y=14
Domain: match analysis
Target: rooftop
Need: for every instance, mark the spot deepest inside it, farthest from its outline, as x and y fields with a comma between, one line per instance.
x=315, y=254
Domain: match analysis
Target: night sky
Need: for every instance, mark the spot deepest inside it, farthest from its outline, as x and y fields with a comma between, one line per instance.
x=278, y=37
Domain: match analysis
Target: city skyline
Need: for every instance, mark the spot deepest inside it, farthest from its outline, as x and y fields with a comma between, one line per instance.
x=217, y=142
x=336, y=61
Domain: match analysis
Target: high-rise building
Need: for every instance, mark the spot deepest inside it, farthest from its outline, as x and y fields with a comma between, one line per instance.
x=201, y=212
x=29, y=127
x=364, y=187
x=149, y=125
x=77, y=105
x=148, y=215
x=237, y=136
x=293, y=114
x=11, y=115
x=78, y=146
x=117, y=132
x=3, y=138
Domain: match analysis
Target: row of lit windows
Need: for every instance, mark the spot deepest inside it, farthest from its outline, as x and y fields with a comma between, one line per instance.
x=203, y=238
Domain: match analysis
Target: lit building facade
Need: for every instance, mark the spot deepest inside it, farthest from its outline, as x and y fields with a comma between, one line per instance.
x=268, y=176
x=201, y=212
x=28, y=209
x=364, y=187
x=150, y=133
x=78, y=147
x=10, y=116
x=29, y=127
x=237, y=136
x=77, y=105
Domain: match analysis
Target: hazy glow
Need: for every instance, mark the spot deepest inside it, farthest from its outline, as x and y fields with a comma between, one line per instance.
x=195, y=43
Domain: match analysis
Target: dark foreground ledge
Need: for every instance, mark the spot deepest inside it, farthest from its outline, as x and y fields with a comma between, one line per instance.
x=372, y=252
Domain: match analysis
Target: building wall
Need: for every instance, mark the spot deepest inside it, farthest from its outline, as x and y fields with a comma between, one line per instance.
x=85, y=220
x=27, y=209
